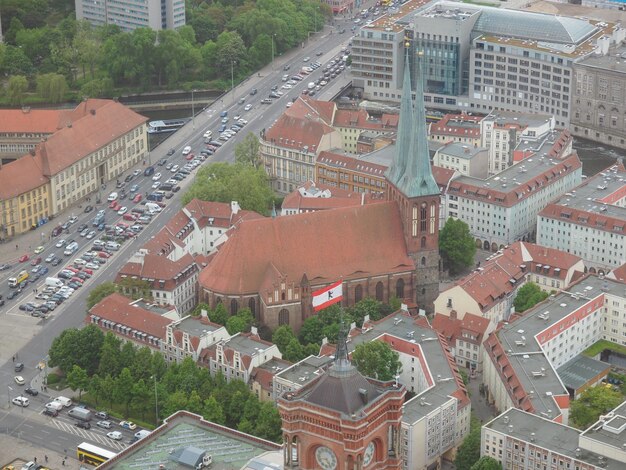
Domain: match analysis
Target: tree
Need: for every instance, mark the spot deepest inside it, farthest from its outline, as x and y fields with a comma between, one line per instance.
x=268, y=423
x=247, y=151
x=110, y=360
x=100, y=292
x=213, y=411
x=240, y=322
x=469, y=450
x=282, y=337
x=486, y=463
x=376, y=359
x=219, y=315
x=294, y=351
x=135, y=288
x=592, y=403
x=456, y=245
x=223, y=182
x=123, y=391
x=77, y=379
x=141, y=395
x=311, y=331
x=529, y=295
x=52, y=87
x=17, y=87
x=367, y=306
x=77, y=347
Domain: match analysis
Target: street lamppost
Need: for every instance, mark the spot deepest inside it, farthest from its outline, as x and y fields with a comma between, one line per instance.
x=273, y=37
x=232, y=79
x=156, y=402
x=193, y=113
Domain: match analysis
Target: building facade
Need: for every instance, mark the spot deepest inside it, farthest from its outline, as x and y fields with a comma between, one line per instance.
x=599, y=98
x=589, y=221
x=130, y=14
x=463, y=159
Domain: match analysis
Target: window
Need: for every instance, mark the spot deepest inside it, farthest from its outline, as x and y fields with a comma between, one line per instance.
x=380, y=289
x=358, y=293
x=400, y=288
x=283, y=317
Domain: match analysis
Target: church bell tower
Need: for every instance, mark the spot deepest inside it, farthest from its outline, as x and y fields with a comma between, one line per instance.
x=412, y=185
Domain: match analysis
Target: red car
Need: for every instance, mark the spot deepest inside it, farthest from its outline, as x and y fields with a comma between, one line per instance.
x=129, y=216
x=24, y=258
x=74, y=269
x=138, y=198
x=77, y=280
x=88, y=271
x=113, y=204
x=102, y=254
x=36, y=261
x=122, y=225
x=190, y=157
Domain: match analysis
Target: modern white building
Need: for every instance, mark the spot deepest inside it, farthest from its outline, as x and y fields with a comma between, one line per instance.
x=589, y=221
x=479, y=58
x=465, y=159
x=523, y=356
x=133, y=14
x=503, y=208
x=523, y=441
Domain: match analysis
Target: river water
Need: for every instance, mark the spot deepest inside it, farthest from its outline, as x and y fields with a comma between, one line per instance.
x=594, y=157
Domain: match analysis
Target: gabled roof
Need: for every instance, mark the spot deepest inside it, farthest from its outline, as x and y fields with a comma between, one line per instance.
x=92, y=125
x=160, y=268
x=340, y=243
x=122, y=310
x=31, y=121
x=303, y=125
x=20, y=176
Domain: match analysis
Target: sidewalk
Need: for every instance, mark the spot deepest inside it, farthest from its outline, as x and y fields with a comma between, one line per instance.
x=16, y=451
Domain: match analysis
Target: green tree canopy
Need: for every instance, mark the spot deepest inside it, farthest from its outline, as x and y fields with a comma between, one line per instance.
x=469, y=451
x=99, y=292
x=77, y=347
x=376, y=359
x=592, y=403
x=456, y=245
x=16, y=89
x=247, y=151
x=223, y=182
x=486, y=463
x=529, y=295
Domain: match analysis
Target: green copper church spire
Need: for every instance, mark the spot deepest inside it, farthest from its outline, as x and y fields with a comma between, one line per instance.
x=405, y=128
x=410, y=170
x=418, y=177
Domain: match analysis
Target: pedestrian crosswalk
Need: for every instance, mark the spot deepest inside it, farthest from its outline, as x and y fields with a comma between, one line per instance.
x=88, y=435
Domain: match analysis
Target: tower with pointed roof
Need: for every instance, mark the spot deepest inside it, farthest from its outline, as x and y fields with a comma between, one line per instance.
x=342, y=420
x=412, y=185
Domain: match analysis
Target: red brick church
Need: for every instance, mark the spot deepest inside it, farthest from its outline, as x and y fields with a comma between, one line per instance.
x=379, y=250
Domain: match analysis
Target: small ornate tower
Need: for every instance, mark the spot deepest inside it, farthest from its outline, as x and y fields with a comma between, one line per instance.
x=413, y=187
x=342, y=421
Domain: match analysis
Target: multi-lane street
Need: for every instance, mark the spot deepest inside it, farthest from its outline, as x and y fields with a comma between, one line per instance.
x=32, y=336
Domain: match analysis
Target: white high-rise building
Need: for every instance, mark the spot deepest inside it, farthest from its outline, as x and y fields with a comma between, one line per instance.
x=133, y=14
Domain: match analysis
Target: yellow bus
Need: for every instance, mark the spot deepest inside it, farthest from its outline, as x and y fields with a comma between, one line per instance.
x=21, y=277
x=93, y=455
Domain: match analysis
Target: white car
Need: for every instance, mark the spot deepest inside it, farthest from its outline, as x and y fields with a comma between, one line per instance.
x=80, y=262
x=156, y=177
x=61, y=243
x=19, y=380
x=156, y=184
x=289, y=104
x=306, y=59
x=136, y=172
x=287, y=86
x=122, y=211
x=115, y=435
x=20, y=401
x=187, y=150
x=93, y=266
x=171, y=181
x=50, y=258
x=208, y=134
x=175, y=168
x=237, y=117
x=242, y=122
x=104, y=424
x=248, y=107
x=90, y=235
x=112, y=197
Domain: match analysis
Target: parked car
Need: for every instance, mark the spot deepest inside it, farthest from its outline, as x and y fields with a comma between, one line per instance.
x=104, y=424
x=31, y=391
x=115, y=435
x=128, y=425
x=24, y=258
x=82, y=425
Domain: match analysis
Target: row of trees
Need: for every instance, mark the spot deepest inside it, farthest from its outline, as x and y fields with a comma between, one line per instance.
x=95, y=61
x=118, y=374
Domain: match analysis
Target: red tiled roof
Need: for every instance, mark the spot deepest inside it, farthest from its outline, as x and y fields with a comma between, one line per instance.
x=619, y=273
x=118, y=309
x=94, y=124
x=324, y=109
x=446, y=326
x=442, y=175
x=572, y=215
x=364, y=240
x=448, y=125
x=298, y=127
x=33, y=121
x=532, y=255
x=351, y=163
x=160, y=268
x=20, y=176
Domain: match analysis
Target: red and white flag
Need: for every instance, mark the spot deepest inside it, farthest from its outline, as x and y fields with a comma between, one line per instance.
x=327, y=296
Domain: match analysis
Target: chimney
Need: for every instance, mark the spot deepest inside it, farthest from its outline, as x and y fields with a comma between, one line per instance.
x=93, y=112
x=234, y=207
x=452, y=314
x=203, y=314
x=254, y=331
